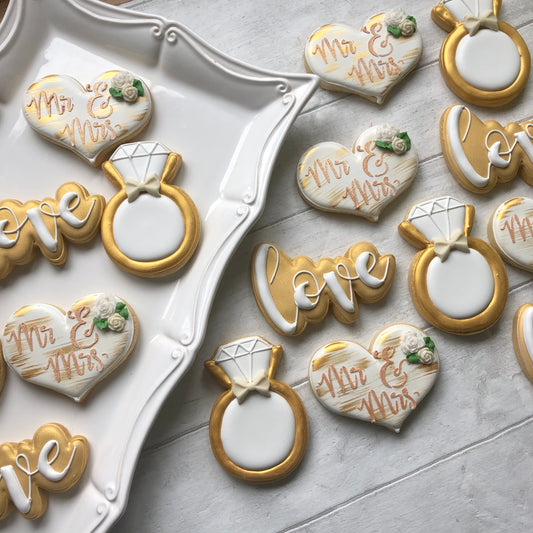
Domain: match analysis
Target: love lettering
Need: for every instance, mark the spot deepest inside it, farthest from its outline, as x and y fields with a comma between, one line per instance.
x=74, y=215
x=95, y=122
x=481, y=154
x=51, y=461
x=293, y=292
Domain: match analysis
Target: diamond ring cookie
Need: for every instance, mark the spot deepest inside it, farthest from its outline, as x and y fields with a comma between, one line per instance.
x=70, y=352
x=149, y=228
x=383, y=164
x=292, y=292
x=510, y=231
x=90, y=119
x=457, y=283
x=44, y=225
x=258, y=427
x=482, y=154
x=51, y=461
x=523, y=338
x=382, y=384
x=368, y=62
x=484, y=60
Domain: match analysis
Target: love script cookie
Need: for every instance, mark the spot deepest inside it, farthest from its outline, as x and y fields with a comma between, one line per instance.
x=484, y=60
x=88, y=119
x=457, y=283
x=368, y=62
x=511, y=231
x=70, y=352
x=51, y=461
x=72, y=215
x=150, y=227
x=523, y=338
x=293, y=292
x=258, y=426
x=383, y=384
x=482, y=154
x=383, y=164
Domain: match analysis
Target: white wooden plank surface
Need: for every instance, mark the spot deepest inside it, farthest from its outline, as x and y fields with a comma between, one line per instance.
x=463, y=461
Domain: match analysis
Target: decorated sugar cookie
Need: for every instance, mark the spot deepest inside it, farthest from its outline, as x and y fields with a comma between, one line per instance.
x=368, y=62
x=293, y=292
x=258, y=427
x=70, y=352
x=72, y=215
x=149, y=228
x=382, y=384
x=511, y=232
x=482, y=154
x=458, y=283
x=382, y=165
x=51, y=461
x=483, y=60
x=523, y=338
x=89, y=119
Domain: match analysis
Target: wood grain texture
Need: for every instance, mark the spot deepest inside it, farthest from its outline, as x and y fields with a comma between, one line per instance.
x=462, y=459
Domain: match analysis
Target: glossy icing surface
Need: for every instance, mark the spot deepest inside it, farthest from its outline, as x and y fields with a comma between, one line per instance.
x=332, y=178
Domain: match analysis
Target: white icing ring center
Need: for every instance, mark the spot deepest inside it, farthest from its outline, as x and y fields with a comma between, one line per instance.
x=488, y=60
x=148, y=229
x=462, y=286
x=258, y=433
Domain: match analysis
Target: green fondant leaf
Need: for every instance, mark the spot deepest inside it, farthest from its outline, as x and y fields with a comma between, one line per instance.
x=114, y=93
x=102, y=324
x=412, y=19
x=119, y=306
x=394, y=30
x=412, y=358
x=139, y=86
x=429, y=343
x=124, y=312
x=384, y=145
x=403, y=135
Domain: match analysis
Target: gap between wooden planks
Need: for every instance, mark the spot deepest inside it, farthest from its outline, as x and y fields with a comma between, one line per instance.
x=3, y=5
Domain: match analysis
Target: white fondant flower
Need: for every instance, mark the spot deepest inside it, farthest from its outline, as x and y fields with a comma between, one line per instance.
x=395, y=17
x=121, y=80
x=410, y=342
x=399, y=146
x=104, y=307
x=407, y=27
x=386, y=133
x=129, y=93
x=116, y=322
x=425, y=356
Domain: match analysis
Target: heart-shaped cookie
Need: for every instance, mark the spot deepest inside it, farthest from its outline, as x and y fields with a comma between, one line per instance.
x=368, y=62
x=523, y=338
x=70, y=352
x=90, y=120
x=362, y=183
x=511, y=231
x=383, y=384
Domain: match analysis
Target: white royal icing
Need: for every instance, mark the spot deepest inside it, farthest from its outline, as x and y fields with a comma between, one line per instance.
x=366, y=62
x=259, y=432
x=149, y=228
x=66, y=353
x=460, y=8
x=488, y=60
x=512, y=230
x=377, y=385
x=462, y=286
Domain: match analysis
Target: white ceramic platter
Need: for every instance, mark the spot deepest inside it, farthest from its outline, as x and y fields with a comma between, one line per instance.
x=228, y=120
